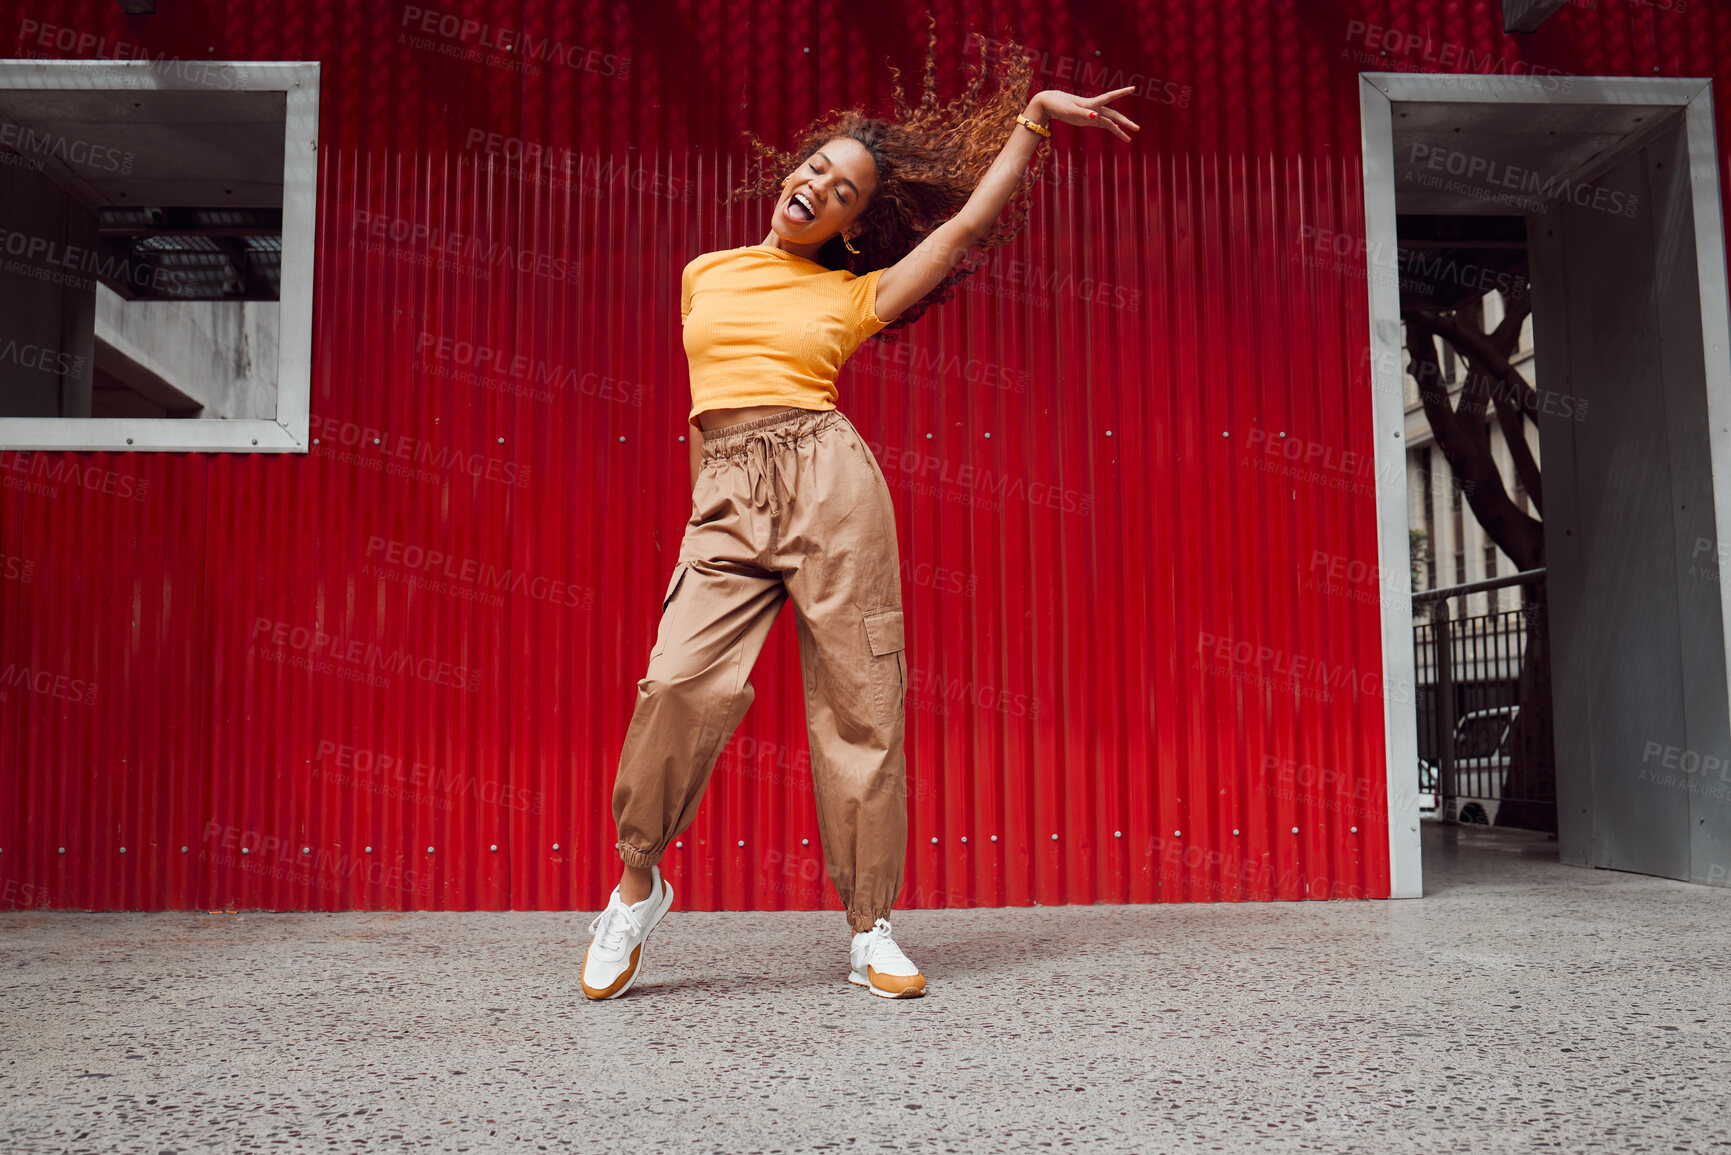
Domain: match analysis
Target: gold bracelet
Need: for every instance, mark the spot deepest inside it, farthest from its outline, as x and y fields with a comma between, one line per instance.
x=1039, y=128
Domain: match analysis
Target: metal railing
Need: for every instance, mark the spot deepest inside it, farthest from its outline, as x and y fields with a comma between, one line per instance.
x=1475, y=662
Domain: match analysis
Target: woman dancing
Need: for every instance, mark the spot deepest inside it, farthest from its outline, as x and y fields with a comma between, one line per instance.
x=788, y=501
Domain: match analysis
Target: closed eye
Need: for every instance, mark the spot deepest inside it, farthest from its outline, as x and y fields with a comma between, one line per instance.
x=819, y=172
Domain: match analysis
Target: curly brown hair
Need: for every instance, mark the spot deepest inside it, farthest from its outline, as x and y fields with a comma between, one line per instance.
x=929, y=161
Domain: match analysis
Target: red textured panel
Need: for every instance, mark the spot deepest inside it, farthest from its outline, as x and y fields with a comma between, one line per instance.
x=103, y=604
x=396, y=671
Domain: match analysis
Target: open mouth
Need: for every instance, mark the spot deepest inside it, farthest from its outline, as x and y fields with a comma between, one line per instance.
x=799, y=209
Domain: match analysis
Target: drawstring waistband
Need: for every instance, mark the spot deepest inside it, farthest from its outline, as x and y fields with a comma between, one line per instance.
x=762, y=443
x=762, y=469
x=792, y=425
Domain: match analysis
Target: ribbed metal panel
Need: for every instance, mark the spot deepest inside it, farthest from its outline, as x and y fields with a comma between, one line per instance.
x=1128, y=683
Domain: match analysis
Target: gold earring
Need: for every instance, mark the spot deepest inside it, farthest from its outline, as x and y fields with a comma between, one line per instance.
x=849, y=245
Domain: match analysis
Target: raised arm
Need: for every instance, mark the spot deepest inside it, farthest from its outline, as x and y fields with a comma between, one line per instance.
x=922, y=270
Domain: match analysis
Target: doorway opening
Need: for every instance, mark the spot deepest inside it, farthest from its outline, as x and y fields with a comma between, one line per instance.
x=1567, y=241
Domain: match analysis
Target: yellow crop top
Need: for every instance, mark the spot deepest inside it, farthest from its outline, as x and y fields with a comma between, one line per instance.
x=766, y=327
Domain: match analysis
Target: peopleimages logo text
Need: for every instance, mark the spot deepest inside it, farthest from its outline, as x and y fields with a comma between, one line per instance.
x=381, y=444
x=526, y=46
x=312, y=645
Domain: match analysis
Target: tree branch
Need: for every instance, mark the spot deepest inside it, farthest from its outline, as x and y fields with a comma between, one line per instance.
x=1487, y=353
x=1465, y=442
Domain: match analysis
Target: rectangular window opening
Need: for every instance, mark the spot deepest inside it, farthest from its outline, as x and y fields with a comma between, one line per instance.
x=156, y=254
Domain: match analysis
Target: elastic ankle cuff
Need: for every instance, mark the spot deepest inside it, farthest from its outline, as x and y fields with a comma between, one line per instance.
x=864, y=920
x=641, y=859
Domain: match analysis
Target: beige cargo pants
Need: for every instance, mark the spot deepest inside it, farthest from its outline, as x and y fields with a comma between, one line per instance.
x=792, y=505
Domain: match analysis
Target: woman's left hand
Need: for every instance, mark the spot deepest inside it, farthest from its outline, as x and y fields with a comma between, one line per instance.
x=1088, y=110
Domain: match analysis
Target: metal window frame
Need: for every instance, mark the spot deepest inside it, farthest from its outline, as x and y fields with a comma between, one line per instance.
x=1378, y=93
x=288, y=431
x=1527, y=15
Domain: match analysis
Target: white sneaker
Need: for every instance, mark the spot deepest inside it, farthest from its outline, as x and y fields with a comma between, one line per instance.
x=880, y=966
x=615, y=957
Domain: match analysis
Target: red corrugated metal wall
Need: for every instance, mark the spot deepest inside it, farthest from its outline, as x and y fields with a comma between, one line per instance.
x=1128, y=681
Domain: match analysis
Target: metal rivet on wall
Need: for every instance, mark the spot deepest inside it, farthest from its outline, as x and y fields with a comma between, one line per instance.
x=742, y=844
x=501, y=441
x=494, y=847
x=682, y=437
x=1235, y=832
x=934, y=840
x=805, y=842
x=988, y=435
x=315, y=441
x=555, y=846
x=1355, y=830
x=429, y=850
x=255, y=441
x=183, y=850
x=1178, y=834
x=622, y=437
x=964, y=839
x=129, y=441
x=245, y=850
x=369, y=850
x=375, y=441
x=994, y=838
x=1054, y=838
x=1108, y=433
x=1117, y=834
x=679, y=846
x=62, y=850
x=928, y=437
x=1295, y=830
x=123, y=850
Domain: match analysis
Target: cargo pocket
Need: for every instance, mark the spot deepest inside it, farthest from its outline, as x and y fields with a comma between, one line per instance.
x=679, y=571
x=888, y=674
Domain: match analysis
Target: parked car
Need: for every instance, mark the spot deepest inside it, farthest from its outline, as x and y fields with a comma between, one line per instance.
x=1482, y=758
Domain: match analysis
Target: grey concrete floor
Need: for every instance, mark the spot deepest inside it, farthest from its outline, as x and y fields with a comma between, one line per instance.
x=1520, y=1006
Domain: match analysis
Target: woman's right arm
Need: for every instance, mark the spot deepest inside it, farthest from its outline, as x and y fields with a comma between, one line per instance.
x=696, y=441
x=921, y=271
